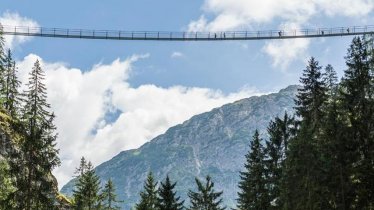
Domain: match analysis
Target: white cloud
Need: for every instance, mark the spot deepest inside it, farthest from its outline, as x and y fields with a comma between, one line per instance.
x=244, y=14
x=176, y=54
x=81, y=100
x=14, y=19
x=283, y=52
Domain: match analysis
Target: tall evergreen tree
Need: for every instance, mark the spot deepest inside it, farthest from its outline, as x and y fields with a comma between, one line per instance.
x=253, y=192
x=82, y=168
x=2, y=55
x=86, y=191
x=206, y=198
x=109, y=197
x=280, y=132
x=358, y=100
x=40, y=154
x=331, y=80
x=312, y=96
x=307, y=182
x=167, y=199
x=148, y=197
x=11, y=84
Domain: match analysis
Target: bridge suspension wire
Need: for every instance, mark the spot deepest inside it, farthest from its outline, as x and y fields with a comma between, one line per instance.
x=186, y=36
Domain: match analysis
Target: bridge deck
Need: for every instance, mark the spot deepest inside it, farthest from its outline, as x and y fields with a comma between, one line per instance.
x=186, y=36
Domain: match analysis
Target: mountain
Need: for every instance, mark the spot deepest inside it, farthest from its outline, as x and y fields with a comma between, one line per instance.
x=213, y=143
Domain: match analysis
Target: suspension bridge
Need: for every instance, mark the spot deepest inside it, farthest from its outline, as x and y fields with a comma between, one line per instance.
x=186, y=36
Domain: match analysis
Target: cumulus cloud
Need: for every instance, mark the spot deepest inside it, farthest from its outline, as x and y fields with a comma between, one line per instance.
x=176, y=54
x=283, y=52
x=244, y=14
x=14, y=19
x=82, y=101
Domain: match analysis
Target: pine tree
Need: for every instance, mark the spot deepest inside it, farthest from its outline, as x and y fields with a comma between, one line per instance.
x=206, y=198
x=357, y=90
x=82, y=168
x=39, y=145
x=109, y=197
x=331, y=81
x=167, y=199
x=312, y=96
x=253, y=192
x=2, y=55
x=11, y=84
x=307, y=182
x=86, y=191
x=2, y=59
x=148, y=197
x=280, y=132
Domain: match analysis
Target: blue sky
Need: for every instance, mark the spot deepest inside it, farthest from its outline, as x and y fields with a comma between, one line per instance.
x=220, y=65
x=123, y=93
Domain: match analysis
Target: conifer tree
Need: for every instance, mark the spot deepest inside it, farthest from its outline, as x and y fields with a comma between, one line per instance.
x=206, y=198
x=280, y=132
x=312, y=96
x=331, y=81
x=357, y=90
x=167, y=199
x=253, y=193
x=38, y=148
x=86, y=191
x=306, y=182
x=82, y=168
x=11, y=84
x=2, y=54
x=148, y=197
x=109, y=197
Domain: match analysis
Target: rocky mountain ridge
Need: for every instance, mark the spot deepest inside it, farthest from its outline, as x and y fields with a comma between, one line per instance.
x=211, y=143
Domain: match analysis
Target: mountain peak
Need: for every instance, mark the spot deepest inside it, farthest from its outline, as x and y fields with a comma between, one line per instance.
x=213, y=143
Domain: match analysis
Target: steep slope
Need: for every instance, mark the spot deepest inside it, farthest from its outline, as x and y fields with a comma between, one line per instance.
x=211, y=143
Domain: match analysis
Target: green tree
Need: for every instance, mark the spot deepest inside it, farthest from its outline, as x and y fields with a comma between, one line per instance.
x=311, y=96
x=86, y=190
x=167, y=199
x=2, y=55
x=6, y=185
x=148, y=197
x=206, y=198
x=109, y=197
x=11, y=84
x=253, y=191
x=357, y=95
x=307, y=182
x=38, y=148
x=280, y=132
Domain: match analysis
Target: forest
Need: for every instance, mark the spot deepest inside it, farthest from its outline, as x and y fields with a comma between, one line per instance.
x=320, y=158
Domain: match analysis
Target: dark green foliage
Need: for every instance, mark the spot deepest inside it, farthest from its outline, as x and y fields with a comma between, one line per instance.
x=357, y=96
x=280, y=132
x=2, y=54
x=86, y=192
x=167, y=199
x=253, y=192
x=206, y=198
x=329, y=161
x=108, y=197
x=148, y=197
x=11, y=84
x=6, y=185
x=312, y=95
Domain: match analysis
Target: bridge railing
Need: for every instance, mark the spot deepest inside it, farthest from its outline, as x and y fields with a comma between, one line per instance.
x=165, y=35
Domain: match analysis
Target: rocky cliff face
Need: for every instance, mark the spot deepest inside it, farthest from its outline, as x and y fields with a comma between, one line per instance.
x=213, y=143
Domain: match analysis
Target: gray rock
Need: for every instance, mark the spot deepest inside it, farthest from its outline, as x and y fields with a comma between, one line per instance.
x=213, y=143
